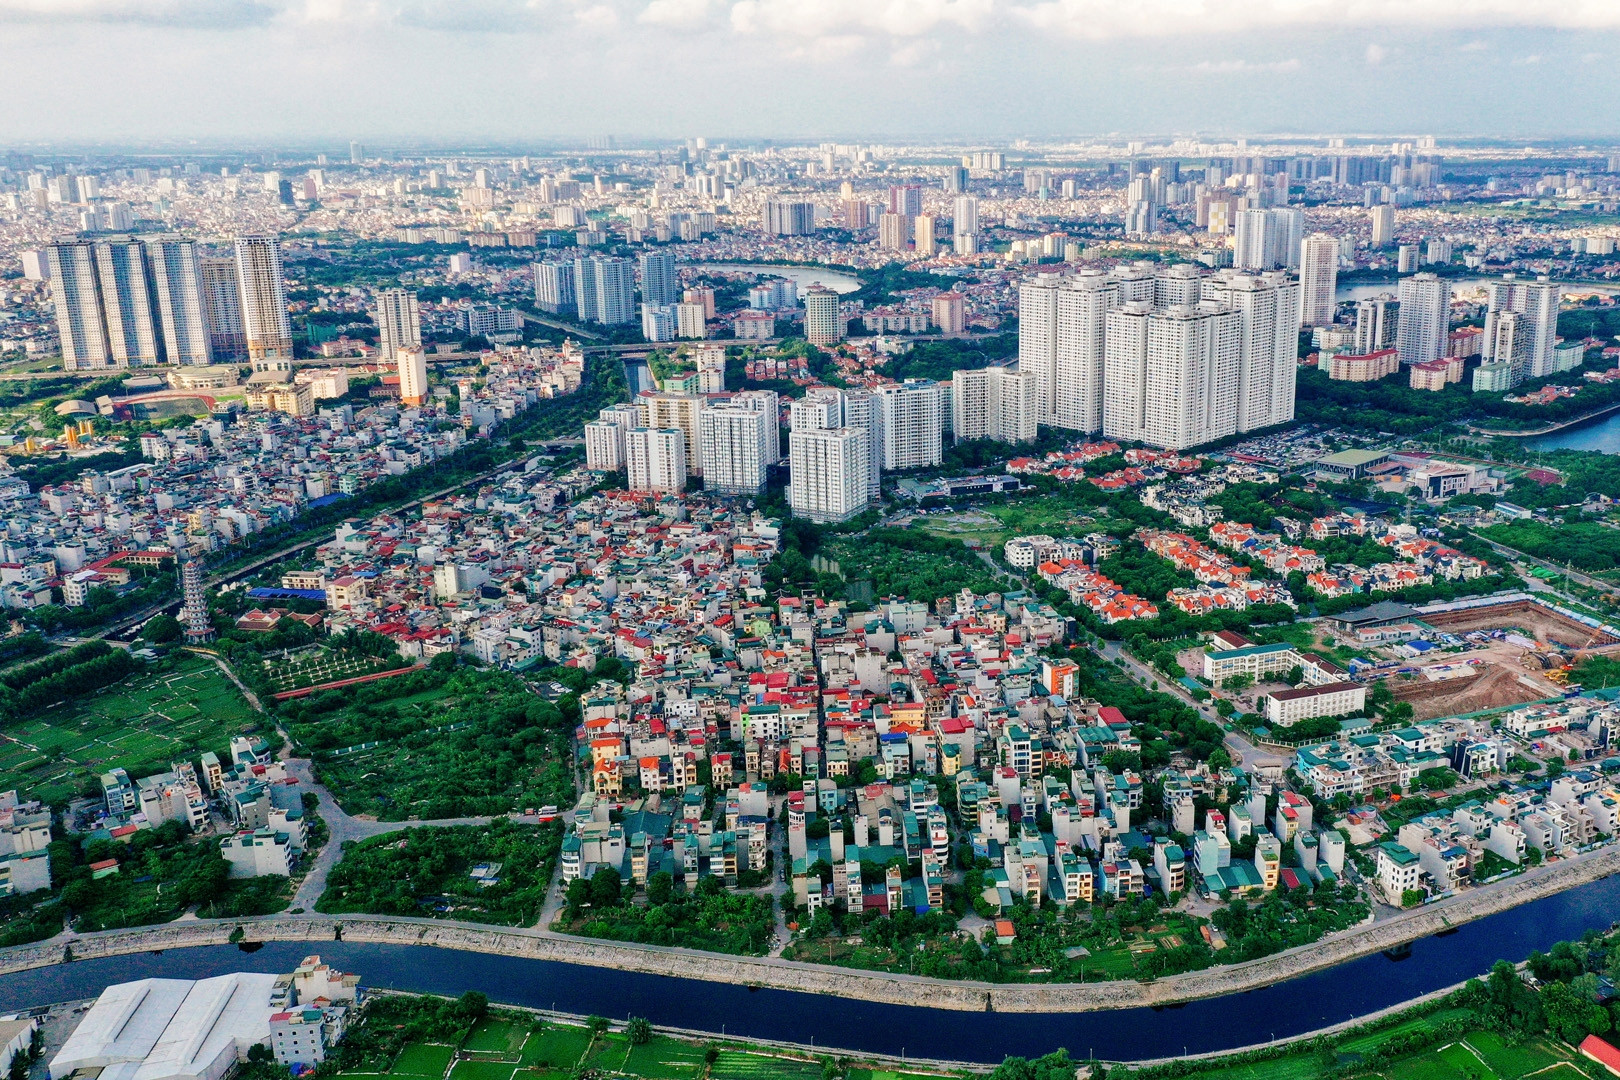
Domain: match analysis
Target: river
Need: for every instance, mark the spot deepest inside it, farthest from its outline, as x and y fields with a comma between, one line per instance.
x=1301, y=1005
x=804, y=276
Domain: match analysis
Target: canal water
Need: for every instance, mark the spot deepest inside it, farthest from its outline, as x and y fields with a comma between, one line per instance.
x=1291, y=1008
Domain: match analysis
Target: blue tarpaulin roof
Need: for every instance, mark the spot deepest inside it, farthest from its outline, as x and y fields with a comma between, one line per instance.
x=287, y=594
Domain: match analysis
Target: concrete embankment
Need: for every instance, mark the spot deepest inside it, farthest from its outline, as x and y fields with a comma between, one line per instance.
x=819, y=979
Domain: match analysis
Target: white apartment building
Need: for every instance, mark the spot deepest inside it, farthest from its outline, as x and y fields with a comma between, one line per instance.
x=177, y=286
x=1398, y=871
x=399, y=322
x=732, y=450
x=823, y=323
x=1318, y=279
x=1125, y=359
x=604, y=446
x=769, y=405
x=860, y=410
x=678, y=411
x=1171, y=375
x=828, y=479
x=1082, y=305
x=1037, y=339
x=413, y=376
x=655, y=460
x=1266, y=307
x=997, y=403
x=1375, y=324
x=1383, y=224
x=1268, y=239
x=257, y=853
x=691, y=321
x=1424, y=323
x=264, y=299
x=1287, y=707
x=74, y=294
x=913, y=421
x=658, y=322
x=604, y=437
x=1191, y=376
x=1526, y=341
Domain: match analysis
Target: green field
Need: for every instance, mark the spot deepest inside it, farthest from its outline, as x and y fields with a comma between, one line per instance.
x=737, y=1065
x=141, y=724
x=423, y=1059
x=665, y=1059
x=496, y=1036
x=556, y=1046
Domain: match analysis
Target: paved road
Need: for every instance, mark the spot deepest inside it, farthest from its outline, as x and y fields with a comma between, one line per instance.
x=1244, y=753
x=1573, y=575
x=342, y=827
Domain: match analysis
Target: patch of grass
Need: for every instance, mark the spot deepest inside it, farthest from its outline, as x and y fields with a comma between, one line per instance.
x=737, y=1065
x=1512, y=1062
x=607, y=1053
x=482, y=1070
x=1303, y=1066
x=423, y=1059
x=664, y=1059
x=1465, y=1060
x=500, y=1036
x=556, y=1046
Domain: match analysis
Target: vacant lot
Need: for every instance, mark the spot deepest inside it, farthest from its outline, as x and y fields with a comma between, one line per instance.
x=436, y=744
x=141, y=724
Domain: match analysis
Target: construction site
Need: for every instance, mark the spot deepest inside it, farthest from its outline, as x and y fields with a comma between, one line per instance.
x=1534, y=620
x=1476, y=655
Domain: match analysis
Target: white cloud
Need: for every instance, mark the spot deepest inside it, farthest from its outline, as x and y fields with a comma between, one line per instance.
x=1238, y=67
x=1099, y=20
x=895, y=18
x=210, y=14
x=597, y=17
x=677, y=13
x=1376, y=53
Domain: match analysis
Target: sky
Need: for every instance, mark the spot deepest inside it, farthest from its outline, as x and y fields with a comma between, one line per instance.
x=443, y=72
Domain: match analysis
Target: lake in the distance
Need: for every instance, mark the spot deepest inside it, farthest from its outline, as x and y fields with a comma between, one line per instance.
x=804, y=276
x=1361, y=290
x=1601, y=434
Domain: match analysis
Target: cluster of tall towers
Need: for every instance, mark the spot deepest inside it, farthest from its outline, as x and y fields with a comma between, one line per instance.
x=125, y=302
x=1172, y=357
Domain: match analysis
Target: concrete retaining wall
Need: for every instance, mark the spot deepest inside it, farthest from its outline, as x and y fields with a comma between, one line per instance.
x=842, y=982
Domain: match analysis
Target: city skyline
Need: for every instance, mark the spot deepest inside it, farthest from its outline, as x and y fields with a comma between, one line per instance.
x=426, y=71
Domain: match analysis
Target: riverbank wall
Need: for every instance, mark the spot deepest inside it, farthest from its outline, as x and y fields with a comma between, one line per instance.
x=777, y=974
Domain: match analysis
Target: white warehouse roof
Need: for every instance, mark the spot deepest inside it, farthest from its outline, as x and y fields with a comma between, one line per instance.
x=170, y=1029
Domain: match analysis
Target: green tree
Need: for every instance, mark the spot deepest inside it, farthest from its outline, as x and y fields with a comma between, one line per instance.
x=161, y=629
x=606, y=888
x=660, y=887
x=638, y=1031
